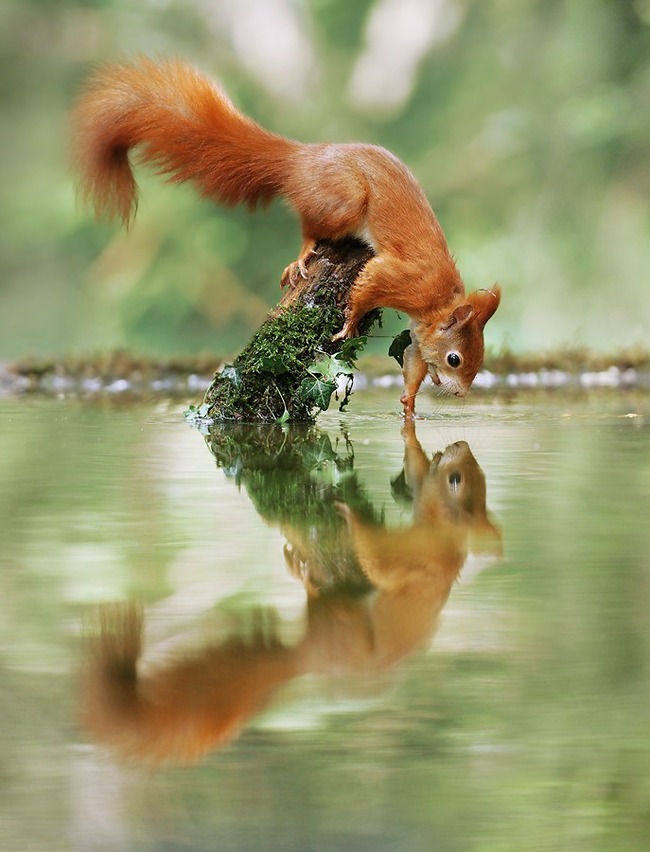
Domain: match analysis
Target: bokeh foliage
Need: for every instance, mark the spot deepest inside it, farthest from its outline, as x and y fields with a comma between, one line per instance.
x=526, y=122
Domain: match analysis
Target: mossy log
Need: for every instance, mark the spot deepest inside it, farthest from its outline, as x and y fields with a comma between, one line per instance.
x=288, y=369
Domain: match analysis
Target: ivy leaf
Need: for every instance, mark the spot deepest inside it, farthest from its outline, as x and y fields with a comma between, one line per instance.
x=322, y=368
x=399, y=344
x=313, y=389
x=273, y=364
x=330, y=367
x=195, y=411
x=340, y=366
x=351, y=347
x=319, y=453
x=198, y=416
x=232, y=374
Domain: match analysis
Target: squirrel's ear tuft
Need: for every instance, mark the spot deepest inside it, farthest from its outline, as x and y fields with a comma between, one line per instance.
x=462, y=314
x=459, y=316
x=485, y=303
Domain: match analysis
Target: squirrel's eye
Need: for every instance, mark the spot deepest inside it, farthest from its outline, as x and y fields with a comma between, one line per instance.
x=454, y=360
x=454, y=480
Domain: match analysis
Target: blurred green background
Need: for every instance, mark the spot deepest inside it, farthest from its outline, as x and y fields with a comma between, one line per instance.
x=527, y=122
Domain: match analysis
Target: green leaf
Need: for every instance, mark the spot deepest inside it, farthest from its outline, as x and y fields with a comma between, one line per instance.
x=339, y=366
x=284, y=418
x=330, y=367
x=198, y=415
x=318, y=453
x=313, y=389
x=399, y=344
x=273, y=364
x=194, y=411
x=351, y=347
x=322, y=367
x=232, y=374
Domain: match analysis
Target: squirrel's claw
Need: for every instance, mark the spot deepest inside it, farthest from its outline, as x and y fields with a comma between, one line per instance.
x=304, y=261
x=346, y=331
x=296, y=270
x=288, y=278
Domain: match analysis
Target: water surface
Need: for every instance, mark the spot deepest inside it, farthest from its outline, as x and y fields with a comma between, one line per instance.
x=286, y=640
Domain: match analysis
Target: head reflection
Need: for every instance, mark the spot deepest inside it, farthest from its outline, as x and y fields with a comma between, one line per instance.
x=373, y=596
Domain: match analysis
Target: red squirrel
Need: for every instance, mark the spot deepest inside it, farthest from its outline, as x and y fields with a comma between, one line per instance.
x=187, y=127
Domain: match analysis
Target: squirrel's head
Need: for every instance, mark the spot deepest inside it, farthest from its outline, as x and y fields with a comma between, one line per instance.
x=462, y=490
x=453, y=345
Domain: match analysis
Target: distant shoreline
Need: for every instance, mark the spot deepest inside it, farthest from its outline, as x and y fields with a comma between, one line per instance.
x=124, y=373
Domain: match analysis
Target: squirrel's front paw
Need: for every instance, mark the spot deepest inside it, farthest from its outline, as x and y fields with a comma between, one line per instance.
x=408, y=401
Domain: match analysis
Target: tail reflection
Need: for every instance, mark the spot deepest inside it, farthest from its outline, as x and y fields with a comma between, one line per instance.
x=382, y=608
x=185, y=708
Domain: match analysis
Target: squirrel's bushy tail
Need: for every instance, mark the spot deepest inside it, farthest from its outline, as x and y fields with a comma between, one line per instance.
x=184, y=125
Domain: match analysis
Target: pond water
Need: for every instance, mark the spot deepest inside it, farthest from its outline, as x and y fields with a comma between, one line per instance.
x=351, y=637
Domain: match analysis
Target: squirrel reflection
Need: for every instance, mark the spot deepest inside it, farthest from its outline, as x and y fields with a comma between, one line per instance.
x=180, y=710
x=413, y=568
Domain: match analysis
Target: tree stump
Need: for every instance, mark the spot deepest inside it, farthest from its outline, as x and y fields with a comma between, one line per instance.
x=290, y=368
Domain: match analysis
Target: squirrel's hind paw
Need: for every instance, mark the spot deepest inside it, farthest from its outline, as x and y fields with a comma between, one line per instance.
x=296, y=270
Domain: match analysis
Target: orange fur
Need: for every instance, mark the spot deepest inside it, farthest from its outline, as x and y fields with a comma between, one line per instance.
x=187, y=128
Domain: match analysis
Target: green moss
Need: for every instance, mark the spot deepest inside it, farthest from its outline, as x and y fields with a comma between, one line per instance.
x=263, y=382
